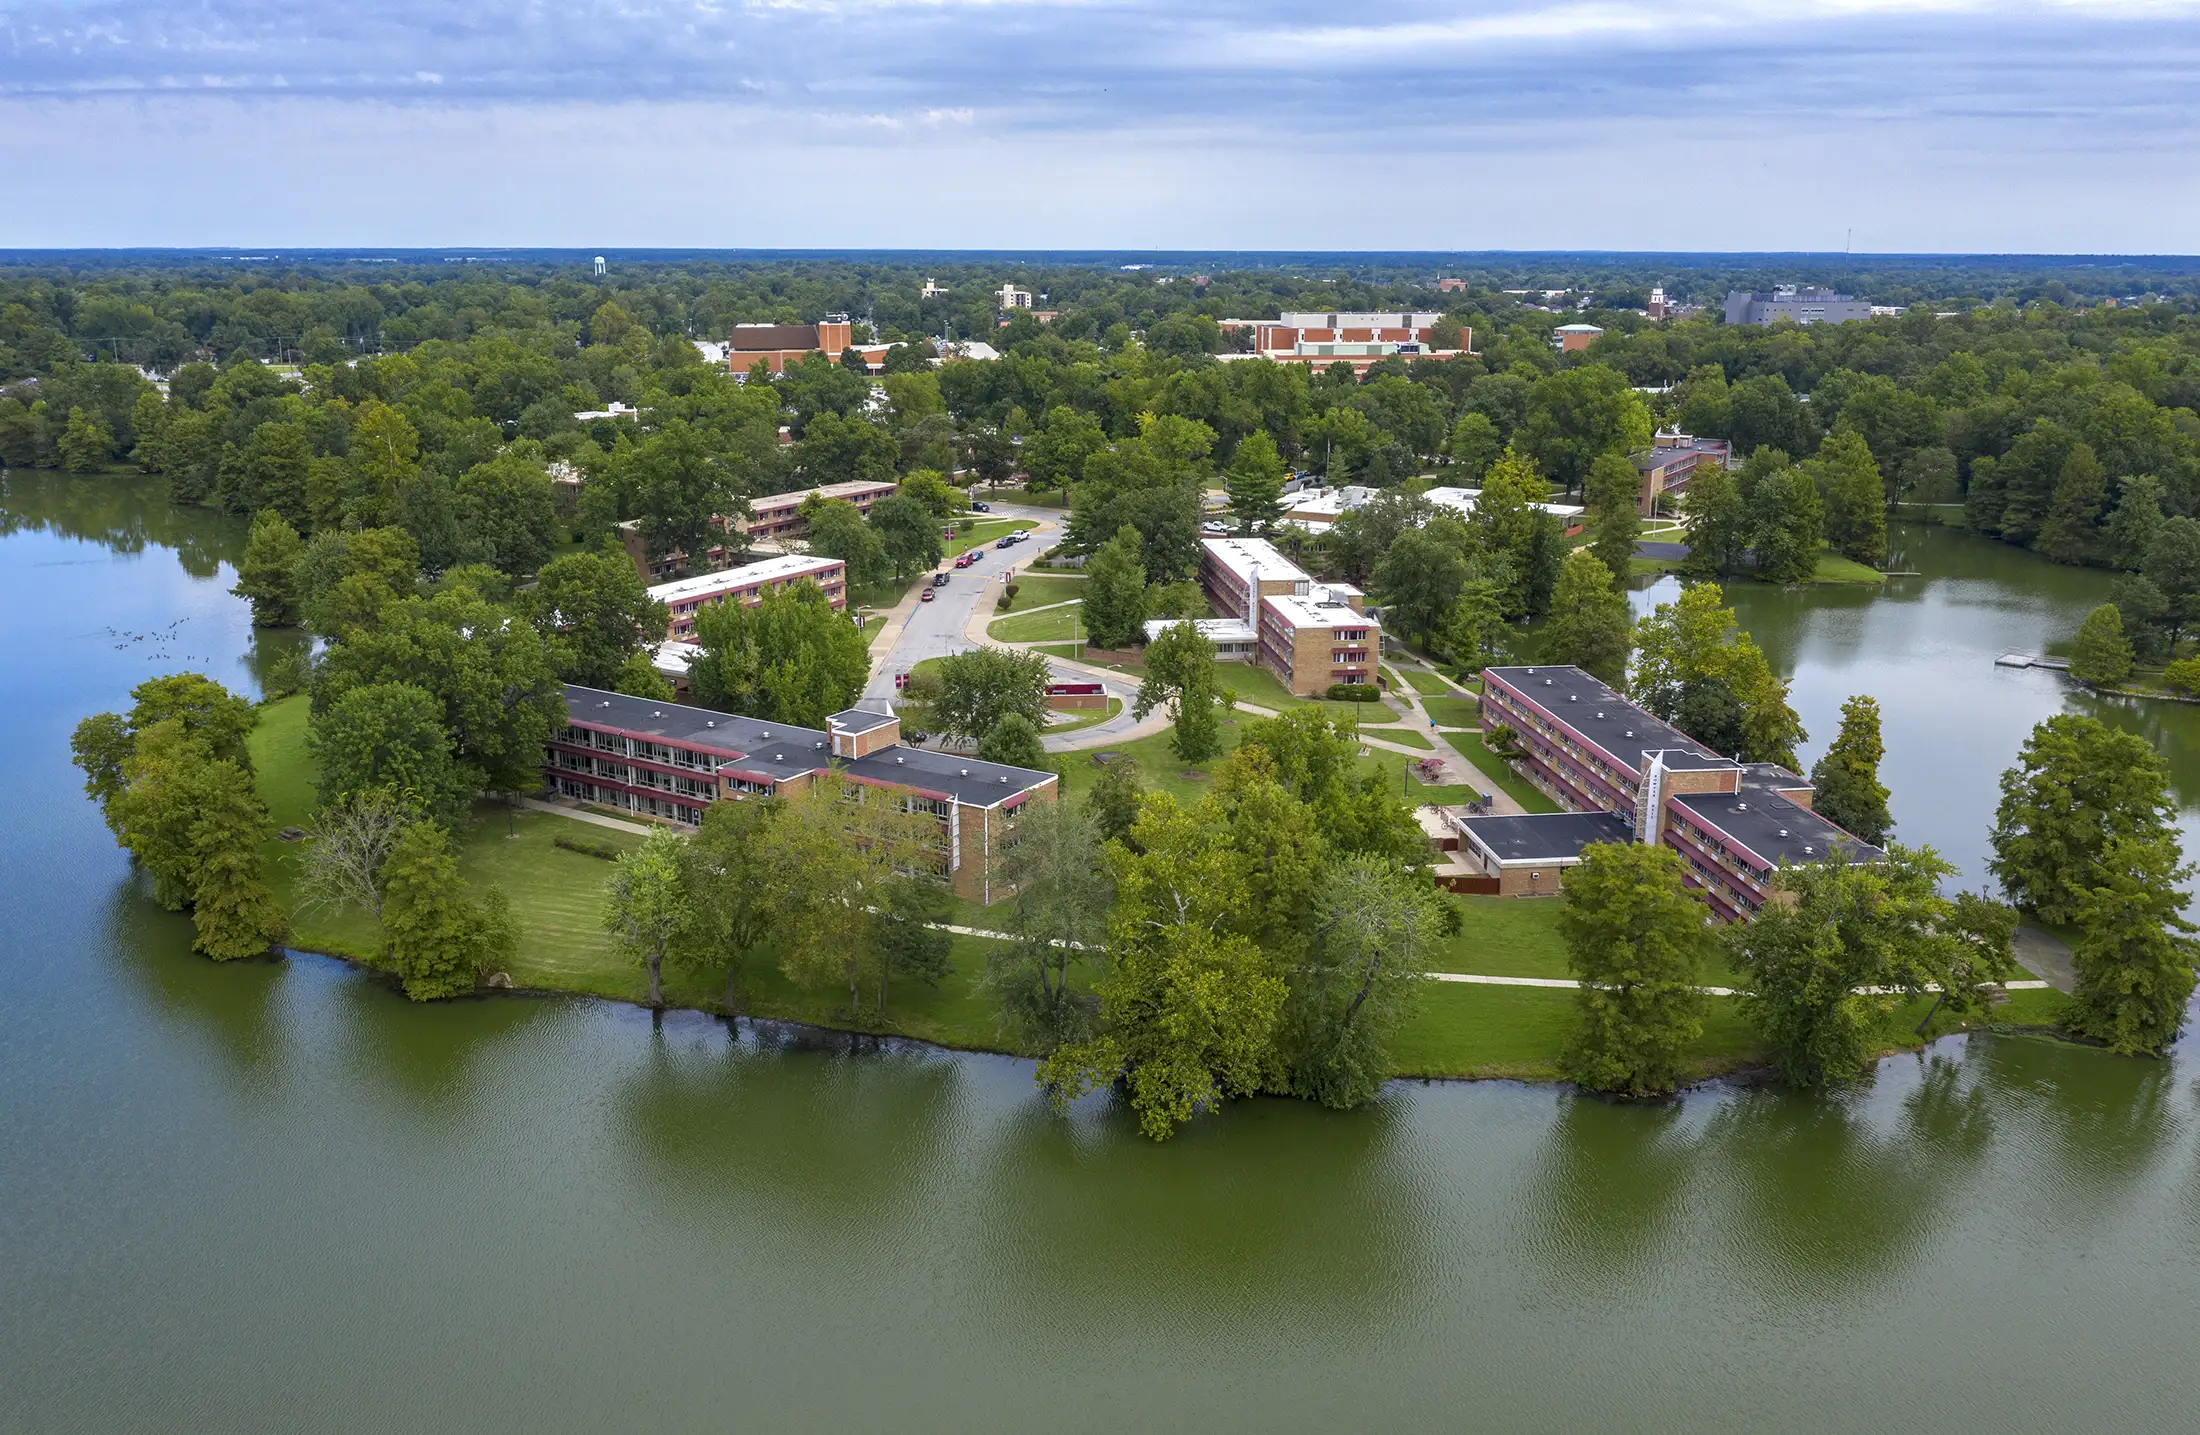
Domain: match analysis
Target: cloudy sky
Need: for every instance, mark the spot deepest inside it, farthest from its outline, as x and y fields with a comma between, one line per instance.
x=1916, y=125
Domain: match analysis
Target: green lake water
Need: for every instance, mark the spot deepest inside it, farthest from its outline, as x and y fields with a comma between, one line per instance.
x=273, y=1197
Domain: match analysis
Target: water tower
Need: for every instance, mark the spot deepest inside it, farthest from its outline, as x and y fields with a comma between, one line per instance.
x=599, y=266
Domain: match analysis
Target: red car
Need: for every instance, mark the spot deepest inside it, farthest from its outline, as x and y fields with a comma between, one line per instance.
x=926, y=596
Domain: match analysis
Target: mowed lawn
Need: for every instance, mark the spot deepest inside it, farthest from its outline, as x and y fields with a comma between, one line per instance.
x=1501, y=772
x=1042, y=589
x=1047, y=625
x=1453, y=711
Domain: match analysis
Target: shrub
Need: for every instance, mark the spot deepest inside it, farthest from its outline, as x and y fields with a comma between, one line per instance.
x=1355, y=693
x=602, y=850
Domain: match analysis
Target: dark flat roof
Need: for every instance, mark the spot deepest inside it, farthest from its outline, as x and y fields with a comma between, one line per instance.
x=1777, y=829
x=1546, y=836
x=1606, y=719
x=856, y=720
x=776, y=750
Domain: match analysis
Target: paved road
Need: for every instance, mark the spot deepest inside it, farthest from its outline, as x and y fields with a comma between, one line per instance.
x=1668, y=551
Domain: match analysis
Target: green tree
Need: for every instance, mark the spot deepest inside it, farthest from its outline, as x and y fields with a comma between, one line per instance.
x=731, y=911
x=981, y=687
x=931, y=488
x=1474, y=632
x=1254, y=480
x=1635, y=940
x=909, y=533
x=2078, y=785
x=1014, y=742
x=1612, y=497
x=86, y=442
x=1849, y=793
x=1718, y=524
x=1577, y=415
x=1057, y=917
x=505, y=509
x=2138, y=517
x=1590, y=625
x=1115, y=592
x=2101, y=657
x=1853, y=498
x=2173, y=566
x=1113, y=800
x=390, y=736
x=2135, y=956
x=1374, y=924
x=1420, y=579
x=594, y=614
x=789, y=659
x=1473, y=446
x=1690, y=649
x=2070, y=533
x=439, y=939
x=676, y=487
x=845, y=449
x=1055, y=456
x=1180, y=675
x=646, y=907
x=346, y=579
x=1787, y=525
x=267, y=574
x=1188, y=1006
x=837, y=529
x=910, y=934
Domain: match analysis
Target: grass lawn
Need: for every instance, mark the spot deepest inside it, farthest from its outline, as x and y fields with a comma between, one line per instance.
x=1042, y=589
x=1500, y=772
x=1453, y=711
x=1517, y=1032
x=1425, y=683
x=1083, y=720
x=1258, y=686
x=1046, y=625
x=1061, y=650
x=1403, y=736
x=1833, y=568
x=981, y=533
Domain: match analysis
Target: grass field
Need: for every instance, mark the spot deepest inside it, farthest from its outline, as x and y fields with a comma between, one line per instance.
x=1833, y=568
x=1083, y=720
x=1403, y=736
x=1453, y=711
x=1501, y=772
x=1258, y=686
x=979, y=534
x=1036, y=591
x=1044, y=626
x=1427, y=684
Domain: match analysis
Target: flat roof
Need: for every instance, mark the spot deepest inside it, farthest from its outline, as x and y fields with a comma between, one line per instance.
x=1463, y=499
x=1310, y=613
x=830, y=490
x=790, y=565
x=856, y=720
x=1779, y=830
x=1242, y=555
x=1606, y=719
x=673, y=656
x=1214, y=630
x=778, y=751
x=1545, y=836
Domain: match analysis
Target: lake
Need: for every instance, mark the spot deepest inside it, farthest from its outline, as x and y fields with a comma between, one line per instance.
x=274, y=1197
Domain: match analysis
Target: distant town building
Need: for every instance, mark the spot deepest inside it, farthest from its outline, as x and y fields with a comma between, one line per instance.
x=1360, y=339
x=777, y=517
x=1462, y=500
x=1311, y=635
x=1671, y=461
x=665, y=761
x=1573, y=338
x=1637, y=779
x=1451, y=286
x=1012, y=297
x=747, y=585
x=932, y=288
x=1799, y=306
x=616, y=410
x=1660, y=306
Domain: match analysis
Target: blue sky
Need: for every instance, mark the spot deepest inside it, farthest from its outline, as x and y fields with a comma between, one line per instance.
x=1703, y=124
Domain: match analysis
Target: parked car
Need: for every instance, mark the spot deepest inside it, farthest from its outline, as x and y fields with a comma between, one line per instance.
x=976, y=507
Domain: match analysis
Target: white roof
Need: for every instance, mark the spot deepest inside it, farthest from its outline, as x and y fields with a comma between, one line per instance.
x=672, y=658
x=792, y=565
x=1242, y=555
x=1356, y=319
x=831, y=490
x=1310, y=612
x=1214, y=630
x=1462, y=500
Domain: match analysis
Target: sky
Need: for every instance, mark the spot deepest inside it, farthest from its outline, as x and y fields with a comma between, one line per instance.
x=2045, y=126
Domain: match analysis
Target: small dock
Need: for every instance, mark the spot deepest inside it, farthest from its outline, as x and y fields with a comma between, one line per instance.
x=2031, y=660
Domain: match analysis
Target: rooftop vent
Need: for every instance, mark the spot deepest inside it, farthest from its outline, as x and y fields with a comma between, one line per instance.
x=767, y=732
x=1004, y=779
x=1573, y=697
x=1548, y=683
x=817, y=744
x=1600, y=717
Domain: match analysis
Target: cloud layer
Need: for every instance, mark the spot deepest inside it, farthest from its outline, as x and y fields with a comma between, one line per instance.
x=1899, y=110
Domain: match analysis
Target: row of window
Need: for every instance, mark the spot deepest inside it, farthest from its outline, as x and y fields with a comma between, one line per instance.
x=634, y=802
x=641, y=749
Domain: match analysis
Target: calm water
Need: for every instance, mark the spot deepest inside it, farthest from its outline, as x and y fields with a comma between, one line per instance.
x=272, y=1197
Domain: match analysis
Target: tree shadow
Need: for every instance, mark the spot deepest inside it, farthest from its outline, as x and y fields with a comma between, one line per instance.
x=1611, y=1189
x=427, y=1054
x=234, y=1007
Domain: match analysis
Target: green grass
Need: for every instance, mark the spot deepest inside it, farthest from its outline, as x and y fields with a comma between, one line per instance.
x=1403, y=736
x=980, y=534
x=1501, y=772
x=1833, y=568
x=1425, y=683
x=1045, y=625
x=1504, y=937
x=1061, y=650
x=1453, y=711
x=1258, y=686
x=1084, y=720
x=1039, y=590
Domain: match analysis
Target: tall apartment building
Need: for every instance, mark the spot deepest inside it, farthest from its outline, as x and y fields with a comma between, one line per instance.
x=1591, y=750
x=668, y=762
x=1799, y=306
x=777, y=517
x=1574, y=338
x=1311, y=635
x=748, y=584
x=1671, y=461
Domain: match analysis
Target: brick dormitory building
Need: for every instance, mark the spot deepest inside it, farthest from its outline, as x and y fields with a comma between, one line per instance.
x=668, y=762
x=1311, y=635
x=1627, y=777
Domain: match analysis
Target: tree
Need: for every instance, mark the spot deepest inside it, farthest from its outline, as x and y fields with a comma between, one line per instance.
x=1054, y=457
x=982, y=687
x=676, y=488
x=1180, y=675
x=348, y=843
x=2070, y=534
x=1473, y=446
x=506, y=511
x=2135, y=954
x=834, y=448
x=1590, y=625
x=1636, y=942
x=1828, y=958
x=1374, y=923
x=1577, y=415
x=836, y=529
x=594, y=614
x=645, y=905
x=1113, y=800
x=234, y=914
x=1854, y=498
x=2173, y=566
x=789, y=659
x=1848, y=791
x=86, y=442
x=2078, y=786
x=1686, y=651
x=267, y=574
x=1786, y=525
x=2101, y=657
x=346, y=579
x=931, y=488
x=1057, y=918
x=1188, y=1006
x=1115, y=592
x=2138, y=517
x=910, y=934
x=1420, y=579
x=1718, y=524
x=390, y=737
x=909, y=533
x=1315, y=759
x=439, y=940
x=1014, y=742
x=830, y=852
x=1613, y=496
x=1254, y=480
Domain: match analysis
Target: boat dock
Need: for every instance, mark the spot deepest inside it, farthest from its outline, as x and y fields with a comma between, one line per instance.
x=2031, y=660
